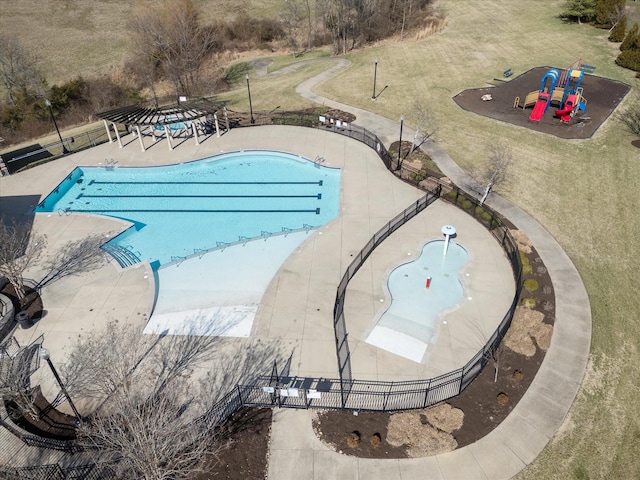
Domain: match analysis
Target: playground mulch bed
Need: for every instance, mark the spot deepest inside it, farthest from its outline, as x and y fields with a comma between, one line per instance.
x=602, y=95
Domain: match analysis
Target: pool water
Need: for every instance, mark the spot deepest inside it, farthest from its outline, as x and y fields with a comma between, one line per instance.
x=179, y=211
x=414, y=309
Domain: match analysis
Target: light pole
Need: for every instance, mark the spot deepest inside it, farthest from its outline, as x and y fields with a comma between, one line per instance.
x=375, y=73
x=250, y=106
x=44, y=354
x=48, y=104
x=400, y=144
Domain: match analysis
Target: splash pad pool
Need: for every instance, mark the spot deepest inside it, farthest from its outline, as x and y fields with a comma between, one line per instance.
x=422, y=291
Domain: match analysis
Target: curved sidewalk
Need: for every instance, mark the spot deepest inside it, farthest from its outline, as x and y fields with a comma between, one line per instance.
x=295, y=452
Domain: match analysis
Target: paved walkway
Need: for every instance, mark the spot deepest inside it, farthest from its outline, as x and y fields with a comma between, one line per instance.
x=296, y=453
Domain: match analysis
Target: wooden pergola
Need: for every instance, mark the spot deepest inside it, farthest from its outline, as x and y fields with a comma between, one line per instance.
x=187, y=115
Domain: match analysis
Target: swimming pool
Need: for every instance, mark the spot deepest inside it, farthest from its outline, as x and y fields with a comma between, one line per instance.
x=178, y=211
x=410, y=324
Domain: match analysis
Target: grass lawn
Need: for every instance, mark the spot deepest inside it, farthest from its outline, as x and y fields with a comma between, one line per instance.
x=583, y=191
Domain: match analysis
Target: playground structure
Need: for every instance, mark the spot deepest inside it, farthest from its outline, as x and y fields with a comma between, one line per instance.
x=558, y=88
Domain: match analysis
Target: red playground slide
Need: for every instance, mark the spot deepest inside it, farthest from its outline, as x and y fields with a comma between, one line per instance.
x=540, y=107
x=565, y=113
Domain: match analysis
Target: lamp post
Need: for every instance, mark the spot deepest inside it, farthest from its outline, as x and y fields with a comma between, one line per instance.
x=44, y=354
x=375, y=73
x=250, y=106
x=400, y=144
x=48, y=104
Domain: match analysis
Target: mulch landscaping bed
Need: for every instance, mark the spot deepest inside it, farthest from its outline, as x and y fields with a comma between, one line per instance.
x=602, y=95
x=485, y=403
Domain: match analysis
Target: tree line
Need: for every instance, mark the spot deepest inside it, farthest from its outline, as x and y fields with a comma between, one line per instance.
x=172, y=51
x=611, y=15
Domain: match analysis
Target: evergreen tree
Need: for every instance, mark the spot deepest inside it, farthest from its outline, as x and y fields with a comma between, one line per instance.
x=619, y=30
x=579, y=10
x=629, y=59
x=608, y=12
x=631, y=38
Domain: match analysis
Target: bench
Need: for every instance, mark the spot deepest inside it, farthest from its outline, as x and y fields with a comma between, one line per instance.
x=507, y=73
x=588, y=68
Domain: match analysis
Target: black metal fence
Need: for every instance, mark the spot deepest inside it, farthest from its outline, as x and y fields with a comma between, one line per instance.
x=345, y=392
x=37, y=154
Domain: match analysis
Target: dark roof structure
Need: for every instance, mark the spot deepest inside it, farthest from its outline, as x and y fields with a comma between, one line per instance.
x=141, y=116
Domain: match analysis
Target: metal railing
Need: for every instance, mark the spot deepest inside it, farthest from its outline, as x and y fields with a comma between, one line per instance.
x=37, y=154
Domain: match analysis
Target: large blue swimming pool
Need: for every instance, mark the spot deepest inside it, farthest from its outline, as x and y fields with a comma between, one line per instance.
x=181, y=210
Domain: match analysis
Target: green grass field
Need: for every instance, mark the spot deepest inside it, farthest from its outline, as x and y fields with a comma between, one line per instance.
x=582, y=191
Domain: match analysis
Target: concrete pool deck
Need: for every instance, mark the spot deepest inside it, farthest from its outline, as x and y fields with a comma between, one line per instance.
x=298, y=303
x=84, y=302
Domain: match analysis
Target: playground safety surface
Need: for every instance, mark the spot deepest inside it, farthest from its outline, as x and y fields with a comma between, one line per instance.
x=602, y=94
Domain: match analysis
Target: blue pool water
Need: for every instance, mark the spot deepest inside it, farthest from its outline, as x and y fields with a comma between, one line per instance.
x=179, y=210
x=415, y=309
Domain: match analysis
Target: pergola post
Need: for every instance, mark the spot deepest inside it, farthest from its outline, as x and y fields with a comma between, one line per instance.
x=106, y=125
x=168, y=134
x=195, y=132
x=226, y=117
x=215, y=120
x=140, y=137
x=115, y=127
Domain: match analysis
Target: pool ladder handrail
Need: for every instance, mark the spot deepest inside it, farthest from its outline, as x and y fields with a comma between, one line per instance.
x=177, y=260
x=110, y=163
x=200, y=252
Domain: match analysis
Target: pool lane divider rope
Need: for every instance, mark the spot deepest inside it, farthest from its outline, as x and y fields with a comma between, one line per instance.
x=318, y=196
x=96, y=182
x=105, y=211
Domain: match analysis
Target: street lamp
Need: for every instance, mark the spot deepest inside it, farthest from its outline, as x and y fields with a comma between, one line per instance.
x=250, y=106
x=375, y=73
x=48, y=104
x=44, y=354
x=400, y=144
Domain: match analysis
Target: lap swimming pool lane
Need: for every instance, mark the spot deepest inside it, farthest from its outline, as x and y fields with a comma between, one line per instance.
x=195, y=223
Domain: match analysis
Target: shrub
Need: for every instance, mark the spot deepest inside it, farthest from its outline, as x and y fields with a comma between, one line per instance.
x=466, y=204
x=523, y=258
x=353, y=439
x=531, y=284
x=630, y=40
x=452, y=194
x=529, y=303
x=486, y=216
x=502, y=398
x=629, y=59
x=619, y=31
x=375, y=440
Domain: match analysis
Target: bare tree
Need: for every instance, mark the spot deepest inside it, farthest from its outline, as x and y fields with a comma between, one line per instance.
x=20, y=248
x=147, y=404
x=291, y=18
x=79, y=256
x=170, y=38
x=423, y=120
x=495, y=171
x=16, y=366
x=631, y=119
x=18, y=69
